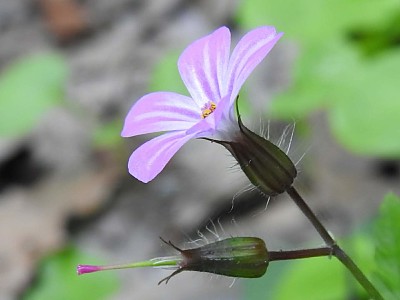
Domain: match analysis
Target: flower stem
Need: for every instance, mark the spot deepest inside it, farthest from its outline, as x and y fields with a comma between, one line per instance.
x=311, y=216
x=334, y=247
x=298, y=254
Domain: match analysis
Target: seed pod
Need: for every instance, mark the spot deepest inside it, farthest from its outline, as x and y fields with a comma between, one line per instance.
x=245, y=257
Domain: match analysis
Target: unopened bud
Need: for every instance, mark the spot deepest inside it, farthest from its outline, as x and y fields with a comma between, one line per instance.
x=245, y=257
x=267, y=167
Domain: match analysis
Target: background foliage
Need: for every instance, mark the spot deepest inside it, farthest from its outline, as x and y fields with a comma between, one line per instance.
x=27, y=89
x=347, y=64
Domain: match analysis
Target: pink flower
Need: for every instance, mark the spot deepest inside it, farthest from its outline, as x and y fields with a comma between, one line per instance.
x=213, y=78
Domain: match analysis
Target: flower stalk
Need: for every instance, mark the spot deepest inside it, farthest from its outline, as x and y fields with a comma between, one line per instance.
x=272, y=172
x=299, y=254
x=336, y=251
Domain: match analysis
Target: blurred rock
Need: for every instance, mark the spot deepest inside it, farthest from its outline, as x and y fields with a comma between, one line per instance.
x=14, y=12
x=66, y=19
x=32, y=222
x=219, y=12
x=21, y=219
x=104, y=12
x=62, y=141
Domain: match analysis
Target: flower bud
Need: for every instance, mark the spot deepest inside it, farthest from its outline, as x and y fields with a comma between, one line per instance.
x=245, y=257
x=236, y=257
x=267, y=167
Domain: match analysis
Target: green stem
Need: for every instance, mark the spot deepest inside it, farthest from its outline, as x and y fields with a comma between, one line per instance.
x=335, y=248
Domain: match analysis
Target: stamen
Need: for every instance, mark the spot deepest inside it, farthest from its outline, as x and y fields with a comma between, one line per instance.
x=208, y=109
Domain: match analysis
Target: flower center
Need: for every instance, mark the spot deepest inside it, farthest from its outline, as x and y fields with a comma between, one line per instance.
x=208, y=110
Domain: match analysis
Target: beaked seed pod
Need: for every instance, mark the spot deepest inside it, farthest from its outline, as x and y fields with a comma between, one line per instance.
x=245, y=257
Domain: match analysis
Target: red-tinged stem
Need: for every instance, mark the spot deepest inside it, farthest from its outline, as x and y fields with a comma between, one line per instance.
x=298, y=254
x=336, y=251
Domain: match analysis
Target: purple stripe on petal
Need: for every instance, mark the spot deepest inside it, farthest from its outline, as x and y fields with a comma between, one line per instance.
x=161, y=111
x=147, y=161
x=203, y=65
x=248, y=53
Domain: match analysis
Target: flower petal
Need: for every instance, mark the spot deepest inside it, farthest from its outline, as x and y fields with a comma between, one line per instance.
x=161, y=111
x=249, y=52
x=147, y=161
x=203, y=66
x=224, y=116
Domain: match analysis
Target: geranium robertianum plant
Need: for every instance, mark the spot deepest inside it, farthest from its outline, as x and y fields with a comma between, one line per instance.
x=214, y=78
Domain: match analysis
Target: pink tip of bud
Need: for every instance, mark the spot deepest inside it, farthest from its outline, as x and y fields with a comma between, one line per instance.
x=83, y=269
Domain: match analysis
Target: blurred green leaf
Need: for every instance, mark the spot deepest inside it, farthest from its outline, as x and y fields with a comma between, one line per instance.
x=318, y=79
x=314, y=75
x=266, y=286
x=108, y=135
x=314, y=21
x=313, y=279
x=366, y=115
x=359, y=92
x=58, y=279
x=28, y=88
x=360, y=96
x=387, y=237
x=375, y=39
x=360, y=247
x=166, y=76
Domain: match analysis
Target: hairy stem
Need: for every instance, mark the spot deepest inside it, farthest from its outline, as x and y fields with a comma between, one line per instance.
x=311, y=216
x=334, y=247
